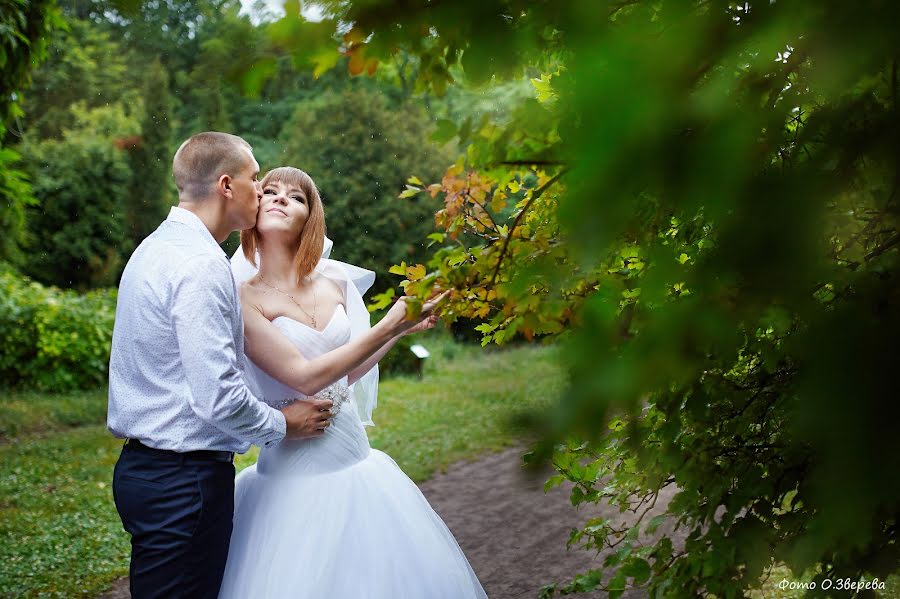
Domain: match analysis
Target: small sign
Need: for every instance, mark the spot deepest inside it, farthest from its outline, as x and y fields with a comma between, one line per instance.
x=420, y=351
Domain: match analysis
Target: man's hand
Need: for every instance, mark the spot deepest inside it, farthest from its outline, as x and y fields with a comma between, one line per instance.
x=307, y=418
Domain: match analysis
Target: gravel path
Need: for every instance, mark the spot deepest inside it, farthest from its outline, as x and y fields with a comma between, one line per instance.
x=513, y=533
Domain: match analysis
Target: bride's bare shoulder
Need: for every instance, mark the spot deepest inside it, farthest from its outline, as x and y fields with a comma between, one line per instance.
x=329, y=289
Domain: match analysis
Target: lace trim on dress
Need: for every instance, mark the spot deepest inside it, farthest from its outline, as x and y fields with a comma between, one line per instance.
x=339, y=395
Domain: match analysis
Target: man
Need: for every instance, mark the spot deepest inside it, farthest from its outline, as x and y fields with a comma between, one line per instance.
x=176, y=392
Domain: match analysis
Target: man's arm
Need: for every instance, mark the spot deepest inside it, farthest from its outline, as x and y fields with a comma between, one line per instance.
x=203, y=303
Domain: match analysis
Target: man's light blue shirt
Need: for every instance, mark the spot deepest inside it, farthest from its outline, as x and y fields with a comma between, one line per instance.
x=175, y=376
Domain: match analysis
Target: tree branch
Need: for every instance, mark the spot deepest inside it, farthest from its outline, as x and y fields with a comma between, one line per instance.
x=538, y=193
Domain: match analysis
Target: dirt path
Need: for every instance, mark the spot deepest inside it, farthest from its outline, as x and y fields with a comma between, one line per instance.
x=513, y=534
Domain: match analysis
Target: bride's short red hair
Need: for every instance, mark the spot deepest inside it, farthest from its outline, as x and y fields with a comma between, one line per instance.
x=312, y=238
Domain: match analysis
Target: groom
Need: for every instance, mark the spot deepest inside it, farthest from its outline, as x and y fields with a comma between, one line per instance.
x=176, y=393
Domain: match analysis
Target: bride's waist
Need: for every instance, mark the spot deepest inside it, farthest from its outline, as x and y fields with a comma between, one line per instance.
x=339, y=393
x=340, y=447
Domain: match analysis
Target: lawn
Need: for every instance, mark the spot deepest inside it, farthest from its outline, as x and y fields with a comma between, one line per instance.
x=59, y=532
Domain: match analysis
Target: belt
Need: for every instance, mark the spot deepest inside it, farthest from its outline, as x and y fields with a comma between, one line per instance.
x=200, y=454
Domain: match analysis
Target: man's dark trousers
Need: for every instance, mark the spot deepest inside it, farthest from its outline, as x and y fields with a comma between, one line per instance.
x=178, y=509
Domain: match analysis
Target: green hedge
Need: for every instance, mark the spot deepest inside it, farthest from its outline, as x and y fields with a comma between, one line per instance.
x=53, y=339
x=58, y=340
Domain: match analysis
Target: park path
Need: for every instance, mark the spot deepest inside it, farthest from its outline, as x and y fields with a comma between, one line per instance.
x=513, y=533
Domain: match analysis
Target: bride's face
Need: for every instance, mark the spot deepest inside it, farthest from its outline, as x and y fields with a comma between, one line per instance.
x=283, y=209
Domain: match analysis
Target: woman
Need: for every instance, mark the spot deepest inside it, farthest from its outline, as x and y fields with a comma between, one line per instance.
x=324, y=517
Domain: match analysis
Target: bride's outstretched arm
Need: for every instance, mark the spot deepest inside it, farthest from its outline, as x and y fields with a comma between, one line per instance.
x=276, y=355
x=357, y=373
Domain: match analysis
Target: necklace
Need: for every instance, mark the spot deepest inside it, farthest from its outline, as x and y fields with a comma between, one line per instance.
x=312, y=317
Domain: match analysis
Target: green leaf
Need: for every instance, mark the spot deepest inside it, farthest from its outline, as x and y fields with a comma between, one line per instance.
x=446, y=130
x=381, y=301
x=638, y=569
x=553, y=481
x=654, y=523
x=398, y=269
x=543, y=89
x=617, y=585
x=324, y=59
x=410, y=191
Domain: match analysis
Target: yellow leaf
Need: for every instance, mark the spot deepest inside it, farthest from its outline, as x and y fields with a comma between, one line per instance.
x=498, y=202
x=409, y=192
x=414, y=273
x=398, y=269
x=415, y=180
x=324, y=59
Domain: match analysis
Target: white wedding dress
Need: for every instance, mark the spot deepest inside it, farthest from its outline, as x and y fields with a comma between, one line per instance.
x=333, y=518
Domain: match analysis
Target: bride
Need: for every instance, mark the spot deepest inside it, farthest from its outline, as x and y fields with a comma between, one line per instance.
x=330, y=516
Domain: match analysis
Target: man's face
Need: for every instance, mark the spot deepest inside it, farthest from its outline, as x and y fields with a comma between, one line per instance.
x=246, y=193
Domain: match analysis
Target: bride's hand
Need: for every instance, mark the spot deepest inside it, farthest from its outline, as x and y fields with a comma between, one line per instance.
x=427, y=318
x=424, y=325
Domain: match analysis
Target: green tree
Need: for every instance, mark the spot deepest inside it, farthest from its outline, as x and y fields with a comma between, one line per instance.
x=149, y=196
x=169, y=29
x=25, y=27
x=701, y=199
x=78, y=227
x=84, y=65
x=360, y=150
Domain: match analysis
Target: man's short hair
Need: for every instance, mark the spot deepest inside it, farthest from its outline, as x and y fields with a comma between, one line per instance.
x=205, y=157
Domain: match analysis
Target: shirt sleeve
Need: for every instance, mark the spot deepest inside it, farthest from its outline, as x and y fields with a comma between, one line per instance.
x=203, y=310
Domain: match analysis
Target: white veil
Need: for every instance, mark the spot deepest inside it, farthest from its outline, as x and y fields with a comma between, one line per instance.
x=354, y=282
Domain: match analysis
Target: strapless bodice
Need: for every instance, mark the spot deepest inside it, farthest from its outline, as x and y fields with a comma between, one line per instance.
x=344, y=442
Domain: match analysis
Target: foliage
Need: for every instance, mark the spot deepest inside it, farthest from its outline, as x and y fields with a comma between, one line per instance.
x=701, y=199
x=400, y=360
x=85, y=67
x=82, y=181
x=24, y=28
x=17, y=196
x=150, y=161
x=51, y=339
x=169, y=29
x=359, y=151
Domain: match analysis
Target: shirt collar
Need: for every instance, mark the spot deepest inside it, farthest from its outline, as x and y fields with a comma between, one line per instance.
x=193, y=222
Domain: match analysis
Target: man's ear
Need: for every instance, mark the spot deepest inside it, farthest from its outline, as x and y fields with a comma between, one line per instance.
x=223, y=186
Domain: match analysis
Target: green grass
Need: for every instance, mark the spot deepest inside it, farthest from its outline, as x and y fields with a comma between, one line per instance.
x=60, y=535
x=33, y=413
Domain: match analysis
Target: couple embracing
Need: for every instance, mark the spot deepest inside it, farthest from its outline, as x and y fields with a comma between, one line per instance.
x=272, y=348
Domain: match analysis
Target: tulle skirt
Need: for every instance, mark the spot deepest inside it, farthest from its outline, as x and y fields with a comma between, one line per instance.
x=361, y=532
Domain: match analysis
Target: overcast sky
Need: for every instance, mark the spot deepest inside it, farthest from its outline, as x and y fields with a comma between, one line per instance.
x=312, y=13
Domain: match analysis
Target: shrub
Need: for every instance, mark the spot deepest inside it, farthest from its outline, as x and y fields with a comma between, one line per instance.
x=400, y=360
x=78, y=227
x=52, y=339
